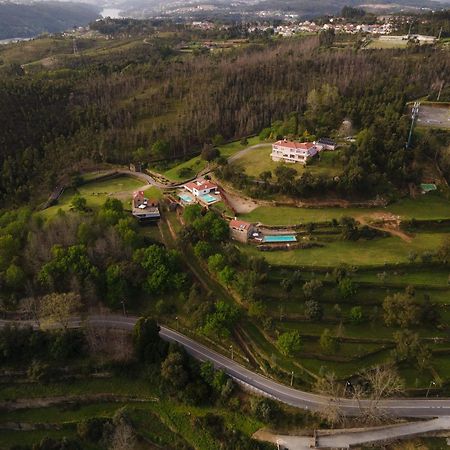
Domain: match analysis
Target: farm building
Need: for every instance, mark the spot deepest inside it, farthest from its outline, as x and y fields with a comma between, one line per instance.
x=294, y=152
x=145, y=209
x=240, y=231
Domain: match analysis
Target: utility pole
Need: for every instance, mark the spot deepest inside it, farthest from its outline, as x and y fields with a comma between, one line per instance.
x=292, y=378
x=440, y=90
x=75, y=46
x=432, y=383
x=123, y=307
x=176, y=318
x=414, y=115
x=232, y=355
x=440, y=33
x=281, y=313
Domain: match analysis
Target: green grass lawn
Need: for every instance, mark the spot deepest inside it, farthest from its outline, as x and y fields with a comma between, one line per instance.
x=96, y=192
x=435, y=278
x=258, y=160
x=427, y=207
x=197, y=164
x=382, y=44
x=10, y=438
x=389, y=250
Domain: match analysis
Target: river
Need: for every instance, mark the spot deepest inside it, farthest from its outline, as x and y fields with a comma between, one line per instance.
x=9, y=40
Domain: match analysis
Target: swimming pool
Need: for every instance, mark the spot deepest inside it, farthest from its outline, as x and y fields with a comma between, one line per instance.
x=186, y=198
x=208, y=198
x=280, y=238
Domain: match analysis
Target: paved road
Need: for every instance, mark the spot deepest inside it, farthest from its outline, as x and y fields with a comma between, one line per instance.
x=243, y=152
x=349, y=438
x=403, y=407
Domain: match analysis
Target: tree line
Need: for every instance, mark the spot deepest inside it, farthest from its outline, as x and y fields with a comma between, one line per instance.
x=101, y=107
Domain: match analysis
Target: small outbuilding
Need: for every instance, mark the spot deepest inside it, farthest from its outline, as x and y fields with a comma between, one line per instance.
x=145, y=209
x=240, y=230
x=327, y=144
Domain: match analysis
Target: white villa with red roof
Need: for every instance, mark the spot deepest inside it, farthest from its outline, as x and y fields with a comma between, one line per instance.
x=294, y=152
x=200, y=187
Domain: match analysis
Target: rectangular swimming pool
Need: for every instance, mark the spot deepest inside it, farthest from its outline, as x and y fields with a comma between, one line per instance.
x=208, y=198
x=280, y=238
x=186, y=198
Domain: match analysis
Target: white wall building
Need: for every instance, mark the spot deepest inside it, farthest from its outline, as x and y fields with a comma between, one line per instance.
x=200, y=187
x=294, y=152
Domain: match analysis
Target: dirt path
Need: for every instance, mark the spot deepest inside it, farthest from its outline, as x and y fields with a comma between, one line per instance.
x=243, y=152
x=45, y=402
x=391, y=224
x=240, y=204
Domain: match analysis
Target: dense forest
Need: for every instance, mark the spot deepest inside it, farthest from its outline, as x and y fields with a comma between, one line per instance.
x=17, y=20
x=102, y=106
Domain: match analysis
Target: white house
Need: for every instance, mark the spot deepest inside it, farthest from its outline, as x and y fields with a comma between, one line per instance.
x=293, y=152
x=200, y=187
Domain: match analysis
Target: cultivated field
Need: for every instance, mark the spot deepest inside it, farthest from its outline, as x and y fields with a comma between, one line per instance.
x=163, y=421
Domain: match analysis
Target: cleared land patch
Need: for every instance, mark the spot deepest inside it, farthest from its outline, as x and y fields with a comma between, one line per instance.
x=388, y=43
x=434, y=116
x=96, y=192
x=389, y=250
x=258, y=160
x=427, y=207
x=197, y=164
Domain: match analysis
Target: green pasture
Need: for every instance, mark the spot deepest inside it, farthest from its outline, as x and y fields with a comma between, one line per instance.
x=96, y=192
x=197, y=164
x=382, y=44
x=433, y=206
x=376, y=252
x=258, y=160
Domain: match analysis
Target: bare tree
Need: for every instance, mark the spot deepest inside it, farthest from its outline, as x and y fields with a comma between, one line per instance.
x=332, y=410
x=123, y=436
x=376, y=384
x=57, y=309
x=108, y=344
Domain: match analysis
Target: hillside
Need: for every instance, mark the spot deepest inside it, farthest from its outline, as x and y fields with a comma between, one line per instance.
x=273, y=9
x=19, y=20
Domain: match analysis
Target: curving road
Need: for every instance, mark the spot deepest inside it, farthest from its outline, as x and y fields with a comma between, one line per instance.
x=401, y=407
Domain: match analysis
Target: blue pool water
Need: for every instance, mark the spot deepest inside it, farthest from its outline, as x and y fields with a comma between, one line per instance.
x=186, y=198
x=208, y=198
x=280, y=238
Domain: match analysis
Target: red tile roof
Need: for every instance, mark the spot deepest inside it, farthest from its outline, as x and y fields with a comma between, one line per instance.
x=240, y=224
x=200, y=185
x=295, y=145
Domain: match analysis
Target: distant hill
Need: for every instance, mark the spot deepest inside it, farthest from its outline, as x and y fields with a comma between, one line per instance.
x=20, y=20
x=315, y=7
x=251, y=9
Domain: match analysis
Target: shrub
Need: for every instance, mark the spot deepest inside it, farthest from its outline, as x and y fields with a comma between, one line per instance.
x=92, y=429
x=289, y=343
x=356, y=314
x=313, y=310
